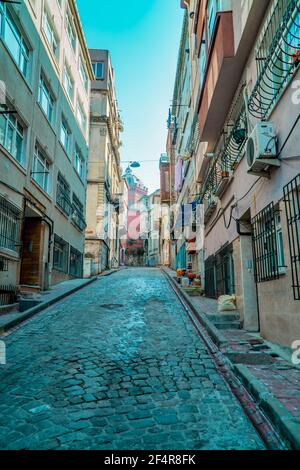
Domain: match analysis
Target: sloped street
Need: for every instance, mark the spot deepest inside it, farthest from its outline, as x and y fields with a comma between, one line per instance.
x=117, y=365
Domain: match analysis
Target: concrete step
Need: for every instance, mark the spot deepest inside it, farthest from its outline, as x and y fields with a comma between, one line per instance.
x=224, y=318
x=234, y=325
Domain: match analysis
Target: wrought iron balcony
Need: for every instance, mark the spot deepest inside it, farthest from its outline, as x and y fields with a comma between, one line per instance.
x=278, y=57
x=78, y=219
x=63, y=200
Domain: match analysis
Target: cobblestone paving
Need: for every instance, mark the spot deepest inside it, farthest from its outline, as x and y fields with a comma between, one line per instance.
x=117, y=366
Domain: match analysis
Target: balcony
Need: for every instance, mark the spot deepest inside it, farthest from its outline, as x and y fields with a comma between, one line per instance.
x=227, y=57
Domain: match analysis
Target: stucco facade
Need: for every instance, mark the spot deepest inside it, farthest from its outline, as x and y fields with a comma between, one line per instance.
x=250, y=215
x=104, y=171
x=44, y=142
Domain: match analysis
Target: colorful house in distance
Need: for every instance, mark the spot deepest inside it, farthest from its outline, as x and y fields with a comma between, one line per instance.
x=134, y=244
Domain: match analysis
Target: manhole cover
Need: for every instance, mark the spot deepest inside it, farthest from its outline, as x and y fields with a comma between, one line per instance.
x=251, y=359
x=111, y=306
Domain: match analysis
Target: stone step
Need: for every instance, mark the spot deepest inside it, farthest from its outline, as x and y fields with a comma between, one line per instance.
x=234, y=325
x=224, y=318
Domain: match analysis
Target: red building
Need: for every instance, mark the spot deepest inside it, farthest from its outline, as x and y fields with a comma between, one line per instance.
x=133, y=246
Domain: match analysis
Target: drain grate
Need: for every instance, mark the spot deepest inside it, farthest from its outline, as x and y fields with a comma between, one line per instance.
x=251, y=358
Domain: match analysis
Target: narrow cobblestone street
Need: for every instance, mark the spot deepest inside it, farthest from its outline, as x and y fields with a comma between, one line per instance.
x=117, y=366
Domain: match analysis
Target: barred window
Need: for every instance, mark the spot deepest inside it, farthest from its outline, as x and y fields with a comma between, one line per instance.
x=63, y=195
x=10, y=224
x=277, y=55
x=268, y=245
x=292, y=205
x=76, y=260
x=78, y=214
x=60, y=254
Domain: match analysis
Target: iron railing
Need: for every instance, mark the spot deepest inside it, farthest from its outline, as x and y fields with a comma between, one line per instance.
x=8, y=295
x=230, y=148
x=60, y=254
x=278, y=57
x=10, y=225
x=63, y=199
x=78, y=219
x=292, y=205
x=265, y=245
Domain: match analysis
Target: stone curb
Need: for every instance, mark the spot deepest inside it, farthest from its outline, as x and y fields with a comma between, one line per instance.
x=213, y=332
x=42, y=306
x=280, y=416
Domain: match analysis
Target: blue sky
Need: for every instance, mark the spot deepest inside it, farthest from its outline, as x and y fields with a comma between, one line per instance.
x=143, y=37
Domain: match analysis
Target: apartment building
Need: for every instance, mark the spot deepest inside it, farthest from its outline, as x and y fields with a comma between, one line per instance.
x=245, y=77
x=45, y=74
x=104, y=170
x=182, y=144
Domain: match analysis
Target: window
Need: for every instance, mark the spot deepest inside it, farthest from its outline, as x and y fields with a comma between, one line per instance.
x=78, y=214
x=292, y=207
x=71, y=31
x=41, y=169
x=68, y=83
x=202, y=58
x=14, y=40
x=51, y=34
x=76, y=263
x=268, y=245
x=10, y=225
x=81, y=117
x=12, y=136
x=63, y=195
x=83, y=74
x=98, y=68
x=60, y=254
x=46, y=99
x=65, y=135
x=79, y=164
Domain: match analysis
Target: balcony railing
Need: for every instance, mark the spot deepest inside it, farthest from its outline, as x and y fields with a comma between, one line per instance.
x=229, y=151
x=78, y=219
x=278, y=57
x=63, y=200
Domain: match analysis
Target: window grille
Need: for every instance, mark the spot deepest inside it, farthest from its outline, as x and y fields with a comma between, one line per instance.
x=8, y=295
x=265, y=245
x=63, y=198
x=292, y=205
x=76, y=260
x=78, y=214
x=60, y=254
x=278, y=56
x=10, y=224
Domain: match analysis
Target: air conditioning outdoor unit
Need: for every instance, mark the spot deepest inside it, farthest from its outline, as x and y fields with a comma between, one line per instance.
x=261, y=150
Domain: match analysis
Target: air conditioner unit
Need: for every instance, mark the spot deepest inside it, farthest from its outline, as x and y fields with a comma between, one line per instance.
x=261, y=150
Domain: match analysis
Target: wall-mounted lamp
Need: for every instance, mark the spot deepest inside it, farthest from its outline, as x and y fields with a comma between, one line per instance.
x=192, y=14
